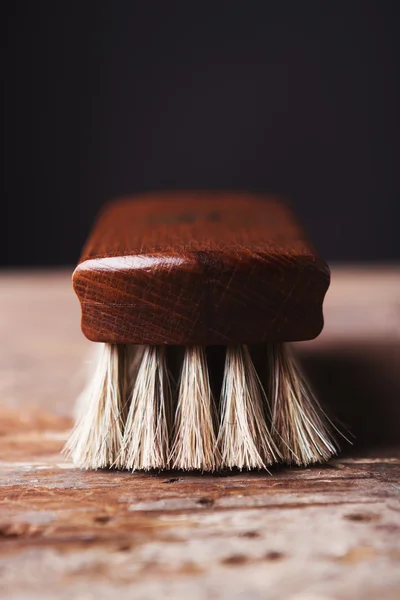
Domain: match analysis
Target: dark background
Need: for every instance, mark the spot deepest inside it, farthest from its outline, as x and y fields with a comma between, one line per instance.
x=114, y=97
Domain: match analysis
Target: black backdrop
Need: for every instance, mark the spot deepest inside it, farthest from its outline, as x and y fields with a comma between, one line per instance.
x=102, y=98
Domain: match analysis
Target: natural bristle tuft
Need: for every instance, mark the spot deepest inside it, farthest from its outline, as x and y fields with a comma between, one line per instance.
x=194, y=444
x=96, y=439
x=131, y=418
x=302, y=429
x=244, y=438
x=146, y=437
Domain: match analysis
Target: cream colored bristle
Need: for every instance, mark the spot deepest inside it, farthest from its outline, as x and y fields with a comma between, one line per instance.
x=194, y=444
x=96, y=439
x=302, y=429
x=244, y=438
x=125, y=413
x=147, y=429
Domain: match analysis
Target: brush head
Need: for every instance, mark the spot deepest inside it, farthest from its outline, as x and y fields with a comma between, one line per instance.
x=199, y=268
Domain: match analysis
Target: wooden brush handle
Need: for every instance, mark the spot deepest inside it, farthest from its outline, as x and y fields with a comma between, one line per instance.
x=199, y=268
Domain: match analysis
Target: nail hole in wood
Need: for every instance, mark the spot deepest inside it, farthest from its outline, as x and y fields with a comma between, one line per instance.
x=361, y=517
x=250, y=534
x=274, y=555
x=235, y=559
x=205, y=501
x=102, y=519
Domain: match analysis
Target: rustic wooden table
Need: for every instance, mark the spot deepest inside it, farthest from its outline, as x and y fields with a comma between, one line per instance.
x=325, y=533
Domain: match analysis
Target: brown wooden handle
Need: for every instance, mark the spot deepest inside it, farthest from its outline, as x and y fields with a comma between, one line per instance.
x=199, y=268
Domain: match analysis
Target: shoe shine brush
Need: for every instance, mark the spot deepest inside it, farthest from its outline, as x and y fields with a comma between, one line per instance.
x=192, y=298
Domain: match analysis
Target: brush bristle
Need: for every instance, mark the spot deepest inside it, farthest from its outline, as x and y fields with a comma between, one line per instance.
x=194, y=445
x=96, y=439
x=244, y=438
x=130, y=418
x=302, y=428
x=146, y=436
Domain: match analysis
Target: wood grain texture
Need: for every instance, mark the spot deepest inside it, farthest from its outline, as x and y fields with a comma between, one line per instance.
x=199, y=268
x=327, y=533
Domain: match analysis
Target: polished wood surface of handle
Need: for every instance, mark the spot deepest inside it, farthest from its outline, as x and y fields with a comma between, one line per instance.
x=199, y=268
